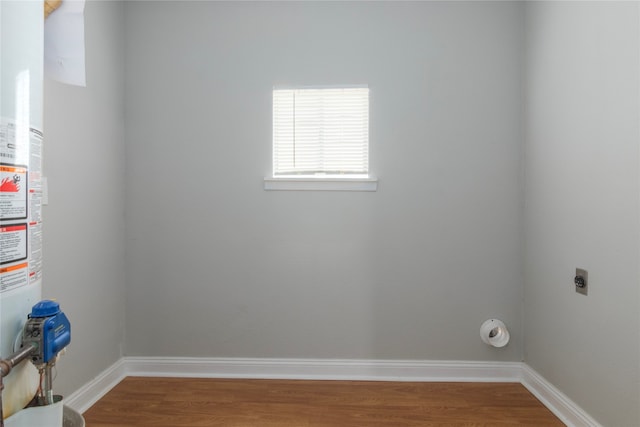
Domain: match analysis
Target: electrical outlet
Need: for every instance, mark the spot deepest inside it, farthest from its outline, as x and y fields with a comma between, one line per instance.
x=581, y=281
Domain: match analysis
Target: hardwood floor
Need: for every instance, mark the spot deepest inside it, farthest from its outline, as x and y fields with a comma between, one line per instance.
x=176, y=402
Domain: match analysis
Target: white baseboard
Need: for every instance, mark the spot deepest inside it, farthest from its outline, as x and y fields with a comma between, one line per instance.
x=334, y=369
x=83, y=398
x=326, y=369
x=557, y=402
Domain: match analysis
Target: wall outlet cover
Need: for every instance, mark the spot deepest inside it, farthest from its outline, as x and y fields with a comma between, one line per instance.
x=581, y=281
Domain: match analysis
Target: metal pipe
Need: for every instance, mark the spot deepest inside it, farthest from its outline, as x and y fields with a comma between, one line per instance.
x=48, y=385
x=6, y=365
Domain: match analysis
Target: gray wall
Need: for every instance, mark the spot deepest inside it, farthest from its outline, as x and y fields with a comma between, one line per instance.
x=84, y=221
x=582, y=197
x=216, y=266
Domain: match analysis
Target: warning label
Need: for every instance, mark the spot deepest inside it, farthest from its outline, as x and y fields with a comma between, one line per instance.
x=13, y=192
x=13, y=243
x=21, y=194
x=14, y=276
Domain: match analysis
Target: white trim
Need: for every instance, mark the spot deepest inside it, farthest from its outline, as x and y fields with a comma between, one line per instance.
x=83, y=398
x=326, y=369
x=557, y=402
x=294, y=87
x=321, y=184
x=334, y=369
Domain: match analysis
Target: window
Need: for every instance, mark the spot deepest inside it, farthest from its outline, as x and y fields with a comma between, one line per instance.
x=321, y=134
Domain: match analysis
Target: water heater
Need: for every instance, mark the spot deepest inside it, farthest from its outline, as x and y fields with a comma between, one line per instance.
x=21, y=186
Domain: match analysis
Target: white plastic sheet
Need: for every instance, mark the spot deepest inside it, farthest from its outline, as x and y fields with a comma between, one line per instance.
x=64, y=44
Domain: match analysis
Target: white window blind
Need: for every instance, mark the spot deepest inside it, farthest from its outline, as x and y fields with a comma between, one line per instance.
x=321, y=132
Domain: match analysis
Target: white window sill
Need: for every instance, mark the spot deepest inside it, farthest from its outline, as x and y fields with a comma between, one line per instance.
x=321, y=184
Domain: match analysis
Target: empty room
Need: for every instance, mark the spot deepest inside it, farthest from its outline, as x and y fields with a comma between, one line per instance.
x=322, y=213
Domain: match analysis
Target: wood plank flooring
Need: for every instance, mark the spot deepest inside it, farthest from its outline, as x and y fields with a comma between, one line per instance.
x=177, y=402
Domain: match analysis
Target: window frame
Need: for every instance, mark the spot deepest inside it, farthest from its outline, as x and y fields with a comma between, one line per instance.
x=320, y=181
